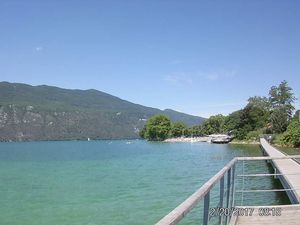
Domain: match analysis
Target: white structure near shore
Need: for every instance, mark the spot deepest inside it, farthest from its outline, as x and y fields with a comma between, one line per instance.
x=215, y=138
x=188, y=139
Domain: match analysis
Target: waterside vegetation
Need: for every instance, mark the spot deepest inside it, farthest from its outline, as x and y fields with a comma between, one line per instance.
x=272, y=115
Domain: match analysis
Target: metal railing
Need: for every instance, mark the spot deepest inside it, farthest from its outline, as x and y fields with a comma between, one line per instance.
x=275, y=175
x=226, y=191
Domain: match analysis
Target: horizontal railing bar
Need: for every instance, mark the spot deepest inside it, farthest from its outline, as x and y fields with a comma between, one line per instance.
x=180, y=211
x=266, y=158
x=266, y=174
x=175, y=216
x=267, y=190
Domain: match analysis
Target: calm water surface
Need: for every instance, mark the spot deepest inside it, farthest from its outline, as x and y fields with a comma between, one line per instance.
x=112, y=182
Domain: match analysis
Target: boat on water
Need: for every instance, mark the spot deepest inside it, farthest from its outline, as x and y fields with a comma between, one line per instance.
x=220, y=138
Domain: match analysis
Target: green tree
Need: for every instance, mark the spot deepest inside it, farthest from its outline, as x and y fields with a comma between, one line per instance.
x=196, y=131
x=187, y=132
x=179, y=129
x=282, y=96
x=279, y=120
x=233, y=121
x=157, y=128
x=281, y=99
x=214, y=124
x=291, y=136
x=253, y=117
x=262, y=103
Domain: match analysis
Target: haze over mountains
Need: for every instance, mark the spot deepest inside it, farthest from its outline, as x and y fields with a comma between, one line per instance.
x=51, y=113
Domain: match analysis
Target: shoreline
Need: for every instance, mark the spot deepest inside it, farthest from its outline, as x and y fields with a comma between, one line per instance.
x=187, y=139
x=206, y=139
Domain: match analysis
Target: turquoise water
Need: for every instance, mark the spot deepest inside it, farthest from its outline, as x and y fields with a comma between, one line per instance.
x=110, y=182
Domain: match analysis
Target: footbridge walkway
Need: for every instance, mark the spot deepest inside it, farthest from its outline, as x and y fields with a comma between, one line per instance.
x=285, y=168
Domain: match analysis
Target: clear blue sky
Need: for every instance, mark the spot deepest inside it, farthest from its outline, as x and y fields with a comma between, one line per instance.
x=198, y=57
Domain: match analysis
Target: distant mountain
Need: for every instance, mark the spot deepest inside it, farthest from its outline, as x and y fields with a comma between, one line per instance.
x=51, y=113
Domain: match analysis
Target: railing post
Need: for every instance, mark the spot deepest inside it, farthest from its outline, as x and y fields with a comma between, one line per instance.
x=228, y=187
x=221, y=199
x=233, y=186
x=228, y=192
x=206, y=209
x=243, y=184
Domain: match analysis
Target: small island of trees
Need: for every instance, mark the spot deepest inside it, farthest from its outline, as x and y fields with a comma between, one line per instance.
x=262, y=115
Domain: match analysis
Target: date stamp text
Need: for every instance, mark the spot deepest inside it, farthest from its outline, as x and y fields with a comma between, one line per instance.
x=247, y=211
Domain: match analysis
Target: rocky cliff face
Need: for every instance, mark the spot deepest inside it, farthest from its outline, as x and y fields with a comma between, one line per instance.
x=51, y=113
x=26, y=123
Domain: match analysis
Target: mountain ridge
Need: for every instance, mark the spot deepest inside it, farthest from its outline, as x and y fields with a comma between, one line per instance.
x=51, y=113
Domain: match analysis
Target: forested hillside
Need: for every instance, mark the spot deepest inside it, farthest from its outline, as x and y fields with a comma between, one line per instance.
x=52, y=113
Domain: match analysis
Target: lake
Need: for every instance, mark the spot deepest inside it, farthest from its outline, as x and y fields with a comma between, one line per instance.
x=113, y=182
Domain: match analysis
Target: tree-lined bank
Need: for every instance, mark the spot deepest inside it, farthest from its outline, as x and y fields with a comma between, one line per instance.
x=272, y=114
